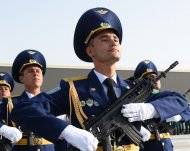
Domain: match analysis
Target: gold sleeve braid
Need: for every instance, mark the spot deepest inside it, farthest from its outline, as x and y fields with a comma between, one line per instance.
x=73, y=96
x=9, y=109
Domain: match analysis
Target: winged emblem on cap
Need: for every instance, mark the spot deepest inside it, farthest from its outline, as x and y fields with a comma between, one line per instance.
x=31, y=52
x=147, y=61
x=101, y=11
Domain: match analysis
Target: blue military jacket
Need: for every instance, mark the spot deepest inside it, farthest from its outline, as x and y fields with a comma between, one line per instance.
x=92, y=98
x=3, y=116
x=168, y=103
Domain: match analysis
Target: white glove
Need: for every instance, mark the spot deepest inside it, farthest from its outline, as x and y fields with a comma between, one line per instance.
x=139, y=111
x=11, y=133
x=175, y=118
x=145, y=133
x=81, y=139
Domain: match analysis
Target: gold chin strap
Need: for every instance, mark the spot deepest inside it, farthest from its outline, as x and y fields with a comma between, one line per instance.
x=9, y=109
x=73, y=97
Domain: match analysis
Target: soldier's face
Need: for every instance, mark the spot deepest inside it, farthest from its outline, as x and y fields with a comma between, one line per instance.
x=158, y=83
x=105, y=48
x=32, y=77
x=4, y=91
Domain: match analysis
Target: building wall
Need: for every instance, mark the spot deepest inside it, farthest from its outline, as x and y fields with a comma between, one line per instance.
x=178, y=81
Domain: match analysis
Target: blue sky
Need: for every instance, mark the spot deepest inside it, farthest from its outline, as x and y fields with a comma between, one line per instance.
x=158, y=30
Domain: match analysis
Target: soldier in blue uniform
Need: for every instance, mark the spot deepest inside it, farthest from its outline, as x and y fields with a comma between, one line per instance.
x=6, y=87
x=147, y=69
x=97, y=39
x=28, y=68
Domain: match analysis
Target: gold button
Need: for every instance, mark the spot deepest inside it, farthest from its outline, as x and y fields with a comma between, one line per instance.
x=120, y=148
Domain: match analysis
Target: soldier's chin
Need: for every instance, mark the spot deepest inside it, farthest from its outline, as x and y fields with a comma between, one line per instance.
x=117, y=58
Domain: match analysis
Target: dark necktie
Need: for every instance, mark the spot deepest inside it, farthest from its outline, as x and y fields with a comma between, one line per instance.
x=110, y=93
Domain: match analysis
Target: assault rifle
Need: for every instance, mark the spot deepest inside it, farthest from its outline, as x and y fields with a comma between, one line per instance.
x=5, y=144
x=103, y=125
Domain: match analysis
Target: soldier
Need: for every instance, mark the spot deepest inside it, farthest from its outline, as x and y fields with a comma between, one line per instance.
x=28, y=68
x=97, y=39
x=147, y=69
x=6, y=87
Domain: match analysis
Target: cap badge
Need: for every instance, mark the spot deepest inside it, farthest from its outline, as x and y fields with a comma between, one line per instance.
x=146, y=61
x=31, y=52
x=3, y=81
x=101, y=11
x=103, y=24
x=149, y=70
x=32, y=61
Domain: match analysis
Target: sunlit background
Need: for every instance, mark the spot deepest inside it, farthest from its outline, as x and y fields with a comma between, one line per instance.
x=158, y=30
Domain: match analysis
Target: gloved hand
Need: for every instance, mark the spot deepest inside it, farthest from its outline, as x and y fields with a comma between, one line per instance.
x=175, y=118
x=79, y=138
x=139, y=111
x=145, y=133
x=11, y=133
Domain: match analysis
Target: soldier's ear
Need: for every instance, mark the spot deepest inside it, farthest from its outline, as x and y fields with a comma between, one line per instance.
x=89, y=51
x=21, y=78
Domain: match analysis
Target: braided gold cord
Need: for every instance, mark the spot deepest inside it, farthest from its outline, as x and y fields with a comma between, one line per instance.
x=9, y=109
x=77, y=106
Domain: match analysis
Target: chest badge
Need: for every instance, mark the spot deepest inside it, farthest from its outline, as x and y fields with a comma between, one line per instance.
x=89, y=102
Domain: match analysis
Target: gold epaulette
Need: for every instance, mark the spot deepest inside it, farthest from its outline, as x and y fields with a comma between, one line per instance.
x=75, y=78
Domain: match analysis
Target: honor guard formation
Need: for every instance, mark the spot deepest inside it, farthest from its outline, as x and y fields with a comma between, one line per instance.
x=100, y=111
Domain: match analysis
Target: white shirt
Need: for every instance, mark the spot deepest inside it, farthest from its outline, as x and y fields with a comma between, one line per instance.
x=30, y=95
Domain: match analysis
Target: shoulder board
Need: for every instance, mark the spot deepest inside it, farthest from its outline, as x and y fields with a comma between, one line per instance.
x=75, y=78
